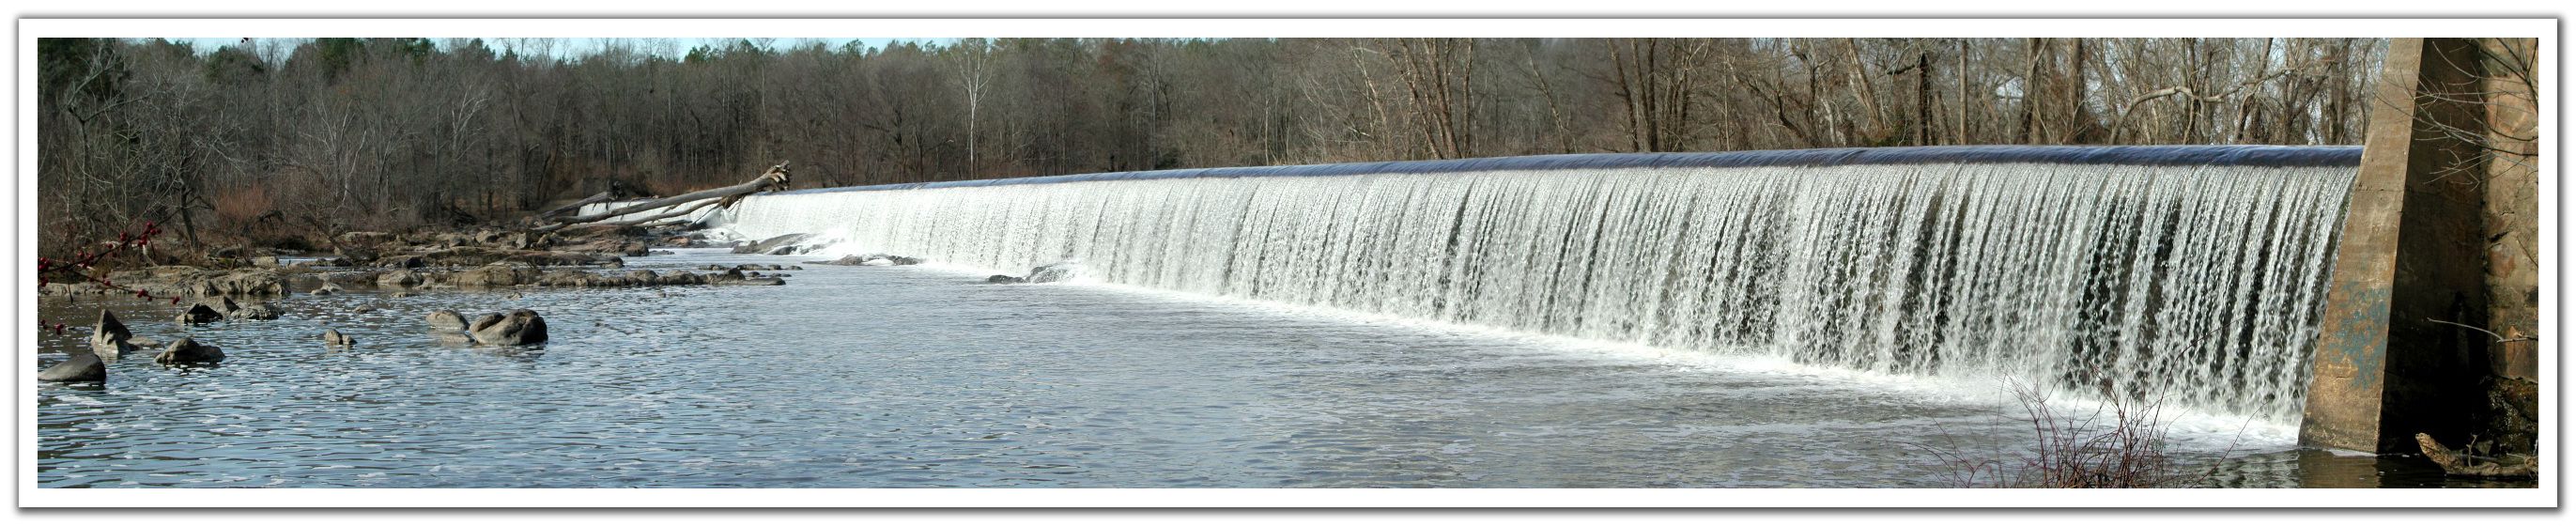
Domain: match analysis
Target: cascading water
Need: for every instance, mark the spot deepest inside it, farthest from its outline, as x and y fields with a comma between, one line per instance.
x=2189, y=273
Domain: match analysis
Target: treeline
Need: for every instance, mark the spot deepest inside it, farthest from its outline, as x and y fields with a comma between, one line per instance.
x=268, y=137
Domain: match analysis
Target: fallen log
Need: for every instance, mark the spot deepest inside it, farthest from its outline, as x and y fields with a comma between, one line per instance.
x=2461, y=464
x=601, y=197
x=774, y=179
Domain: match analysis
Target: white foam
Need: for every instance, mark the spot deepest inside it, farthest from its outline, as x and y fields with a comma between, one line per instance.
x=2199, y=284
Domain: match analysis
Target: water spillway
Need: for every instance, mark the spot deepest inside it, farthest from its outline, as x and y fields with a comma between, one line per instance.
x=2189, y=274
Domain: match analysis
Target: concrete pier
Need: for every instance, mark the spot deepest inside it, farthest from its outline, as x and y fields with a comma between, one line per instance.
x=2396, y=355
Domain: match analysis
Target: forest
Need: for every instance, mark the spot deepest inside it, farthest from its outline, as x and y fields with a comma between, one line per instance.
x=277, y=141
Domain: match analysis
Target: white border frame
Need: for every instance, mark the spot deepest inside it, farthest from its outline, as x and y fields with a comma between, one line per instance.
x=30, y=29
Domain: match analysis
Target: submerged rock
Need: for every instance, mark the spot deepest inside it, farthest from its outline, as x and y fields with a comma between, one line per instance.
x=187, y=350
x=333, y=338
x=80, y=368
x=1003, y=278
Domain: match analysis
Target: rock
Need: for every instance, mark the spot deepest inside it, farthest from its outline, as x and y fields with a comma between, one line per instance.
x=493, y=276
x=109, y=338
x=870, y=260
x=187, y=350
x=660, y=253
x=327, y=289
x=402, y=295
x=264, y=261
x=519, y=327
x=446, y=320
x=333, y=338
x=399, y=278
x=80, y=368
x=1000, y=278
x=255, y=311
x=363, y=309
x=643, y=277
x=795, y=267
x=1064, y=271
x=201, y=313
x=773, y=246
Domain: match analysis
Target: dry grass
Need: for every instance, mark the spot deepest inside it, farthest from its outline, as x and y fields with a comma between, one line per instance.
x=2121, y=444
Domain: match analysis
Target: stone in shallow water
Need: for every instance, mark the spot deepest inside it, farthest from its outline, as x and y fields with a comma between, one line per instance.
x=201, y=313
x=446, y=320
x=80, y=368
x=519, y=327
x=187, y=350
x=109, y=338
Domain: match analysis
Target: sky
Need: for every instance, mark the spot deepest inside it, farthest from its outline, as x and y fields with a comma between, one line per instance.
x=574, y=47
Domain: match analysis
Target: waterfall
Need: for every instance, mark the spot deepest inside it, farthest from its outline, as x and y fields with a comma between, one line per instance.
x=2193, y=274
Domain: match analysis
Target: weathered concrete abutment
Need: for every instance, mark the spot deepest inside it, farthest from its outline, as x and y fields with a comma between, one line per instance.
x=2403, y=347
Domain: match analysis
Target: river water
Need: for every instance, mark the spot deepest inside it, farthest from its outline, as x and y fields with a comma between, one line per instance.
x=854, y=377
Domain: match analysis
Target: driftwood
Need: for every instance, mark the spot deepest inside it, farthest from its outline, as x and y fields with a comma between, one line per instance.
x=2461, y=464
x=774, y=179
x=601, y=197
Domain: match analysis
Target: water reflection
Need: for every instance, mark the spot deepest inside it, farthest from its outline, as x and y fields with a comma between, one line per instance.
x=917, y=377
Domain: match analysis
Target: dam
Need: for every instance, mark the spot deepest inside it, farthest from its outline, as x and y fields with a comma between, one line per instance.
x=2191, y=275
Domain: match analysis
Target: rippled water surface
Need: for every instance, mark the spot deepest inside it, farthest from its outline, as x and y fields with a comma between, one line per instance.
x=925, y=377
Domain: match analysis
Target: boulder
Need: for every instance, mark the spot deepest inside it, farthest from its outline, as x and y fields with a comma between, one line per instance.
x=780, y=245
x=493, y=276
x=446, y=320
x=201, y=313
x=400, y=278
x=519, y=327
x=869, y=260
x=1000, y=278
x=255, y=311
x=187, y=350
x=80, y=368
x=1064, y=271
x=333, y=338
x=327, y=289
x=264, y=261
x=109, y=338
